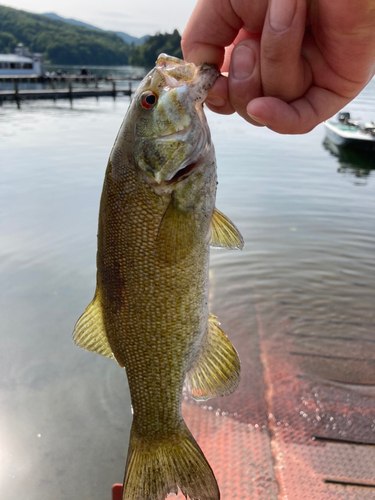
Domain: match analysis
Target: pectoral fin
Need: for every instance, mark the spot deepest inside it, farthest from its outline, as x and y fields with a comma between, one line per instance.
x=89, y=332
x=224, y=233
x=176, y=235
x=216, y=371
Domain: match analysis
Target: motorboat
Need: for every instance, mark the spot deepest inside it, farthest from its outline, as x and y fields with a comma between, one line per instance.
x=348, y=132
x=22, y=63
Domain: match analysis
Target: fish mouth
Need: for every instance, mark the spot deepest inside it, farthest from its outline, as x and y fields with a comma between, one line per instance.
x=177, y=72
x=183, y=71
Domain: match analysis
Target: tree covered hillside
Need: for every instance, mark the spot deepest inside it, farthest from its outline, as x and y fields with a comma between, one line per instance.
x=146, y=54
x=58, y=41
x=61, y=42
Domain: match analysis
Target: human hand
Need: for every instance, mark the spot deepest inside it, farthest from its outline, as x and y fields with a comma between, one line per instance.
x=291, y=63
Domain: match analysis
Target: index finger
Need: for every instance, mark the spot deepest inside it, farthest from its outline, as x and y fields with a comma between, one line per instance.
x=214, y=25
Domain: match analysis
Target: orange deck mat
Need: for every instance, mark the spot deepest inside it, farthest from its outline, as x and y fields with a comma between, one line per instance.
x=301, y=424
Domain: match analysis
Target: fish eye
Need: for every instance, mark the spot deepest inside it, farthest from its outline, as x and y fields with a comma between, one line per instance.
x=148, y=99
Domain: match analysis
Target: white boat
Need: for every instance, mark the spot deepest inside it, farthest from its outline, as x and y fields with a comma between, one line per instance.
x=347, y=132
x=21, y=63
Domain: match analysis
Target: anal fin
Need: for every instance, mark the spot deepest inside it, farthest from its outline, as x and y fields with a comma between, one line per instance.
x=89, y=332
x=224, y=233
x=216, y=371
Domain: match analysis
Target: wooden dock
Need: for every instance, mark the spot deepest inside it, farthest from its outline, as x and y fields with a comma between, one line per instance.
x=83, y=79
x=67, y=93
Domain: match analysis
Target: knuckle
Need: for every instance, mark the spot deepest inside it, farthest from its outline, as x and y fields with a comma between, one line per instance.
x=273, y=54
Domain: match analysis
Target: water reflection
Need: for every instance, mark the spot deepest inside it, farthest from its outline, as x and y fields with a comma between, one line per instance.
x=356, y=162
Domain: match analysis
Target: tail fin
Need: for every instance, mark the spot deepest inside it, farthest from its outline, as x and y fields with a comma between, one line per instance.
x=157, y=467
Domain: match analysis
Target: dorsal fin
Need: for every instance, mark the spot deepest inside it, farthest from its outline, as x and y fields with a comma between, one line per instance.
x=216, y=371
x=224, y=233
x=89, y=332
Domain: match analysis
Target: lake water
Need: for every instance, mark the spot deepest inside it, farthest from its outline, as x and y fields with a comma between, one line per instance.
x=297, y=302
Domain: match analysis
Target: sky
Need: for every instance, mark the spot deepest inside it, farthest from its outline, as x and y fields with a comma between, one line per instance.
x=135, y=17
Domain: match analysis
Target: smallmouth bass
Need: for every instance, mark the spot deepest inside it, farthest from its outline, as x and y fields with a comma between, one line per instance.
x=157, y=220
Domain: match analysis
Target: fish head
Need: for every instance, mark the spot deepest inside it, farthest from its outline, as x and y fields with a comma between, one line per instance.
x=171, y=132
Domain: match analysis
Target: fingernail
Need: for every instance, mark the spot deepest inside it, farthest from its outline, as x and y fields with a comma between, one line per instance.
x=243, y=62
x=256, y=119
x=215, y=100
x=281, y=14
